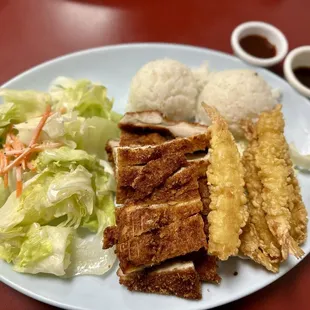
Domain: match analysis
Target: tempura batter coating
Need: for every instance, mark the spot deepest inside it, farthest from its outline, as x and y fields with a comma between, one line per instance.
x=298, y=211
x=257, y=242
x=228, y=201
x=272, y=158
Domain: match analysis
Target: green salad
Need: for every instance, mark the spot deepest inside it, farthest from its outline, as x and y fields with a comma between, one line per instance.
x=56, y=187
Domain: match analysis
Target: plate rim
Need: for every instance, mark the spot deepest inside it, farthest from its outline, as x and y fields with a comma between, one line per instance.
x=187, y=47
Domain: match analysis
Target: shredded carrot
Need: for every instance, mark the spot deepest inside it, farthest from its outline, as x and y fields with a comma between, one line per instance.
x=13, y=147
x=2, y=161
x=24, y=164
x=18, y=152
x=3, y=164
x=6, y=159
x=19, y=183
x=40, y=126
x=6, y=175
x=35, y=148
x=17, y=146
x=17, y=160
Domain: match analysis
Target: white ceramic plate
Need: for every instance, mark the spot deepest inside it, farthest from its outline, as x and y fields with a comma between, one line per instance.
x=114, y=66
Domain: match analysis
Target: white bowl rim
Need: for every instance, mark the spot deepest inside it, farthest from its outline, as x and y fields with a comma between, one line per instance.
x=288, y=70
x=265, y=62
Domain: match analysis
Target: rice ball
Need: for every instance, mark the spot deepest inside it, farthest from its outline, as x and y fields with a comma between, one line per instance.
x=165, y=85
x=238, y=95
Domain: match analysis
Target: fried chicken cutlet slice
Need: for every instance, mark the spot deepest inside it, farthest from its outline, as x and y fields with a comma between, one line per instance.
x=155, y=172
x=144, y=179
x=133, y=139
x=111, y=144
x=136, y=139
x=226, y=184
x=134, y=220
x=172, y=278
x=206, y=266
x=152, y=248
x=141, y=155
x=275, y=171
x=257, y=242
x=192, y=168
x=180, y=186
x=139, y=170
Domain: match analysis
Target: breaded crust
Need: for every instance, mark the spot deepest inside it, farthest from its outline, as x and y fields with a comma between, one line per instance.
x=111, y=144
x=152, y=248
x=206, y=266
x=180, y=280
x=181, y=186
x=135, y=139
x=129, y=156
x=133, y=221
x=155, y=172
x=110, y=237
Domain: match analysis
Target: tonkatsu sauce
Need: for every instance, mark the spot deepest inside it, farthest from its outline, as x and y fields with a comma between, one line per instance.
x=258, y=46
x=303, y=75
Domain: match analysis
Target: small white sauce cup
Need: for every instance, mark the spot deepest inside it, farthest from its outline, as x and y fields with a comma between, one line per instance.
x=298, y=57
x=271, y=33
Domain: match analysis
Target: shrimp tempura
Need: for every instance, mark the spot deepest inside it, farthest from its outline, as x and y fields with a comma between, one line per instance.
x=228, y=201
x=279, y=185
x=257, y=242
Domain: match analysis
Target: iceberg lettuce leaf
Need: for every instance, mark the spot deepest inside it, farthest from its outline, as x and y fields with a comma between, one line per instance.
x=83, y=96
x=46, y=249
x=92, y=134
x=21, y=105
x=88, y=257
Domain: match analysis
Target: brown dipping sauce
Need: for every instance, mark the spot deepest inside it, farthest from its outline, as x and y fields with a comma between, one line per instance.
x=303, y=75
x=258, y=46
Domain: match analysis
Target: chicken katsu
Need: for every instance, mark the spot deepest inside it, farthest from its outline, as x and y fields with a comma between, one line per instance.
x=176, y=278
x=151, y=248
x=141, y=219
x=162, y=215
x=141, y=155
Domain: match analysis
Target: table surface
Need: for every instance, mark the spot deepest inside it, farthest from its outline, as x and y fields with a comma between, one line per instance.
x=33, y=31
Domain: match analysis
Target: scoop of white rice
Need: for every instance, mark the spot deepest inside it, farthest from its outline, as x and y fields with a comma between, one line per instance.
x=165, y=85
x=238, y=95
